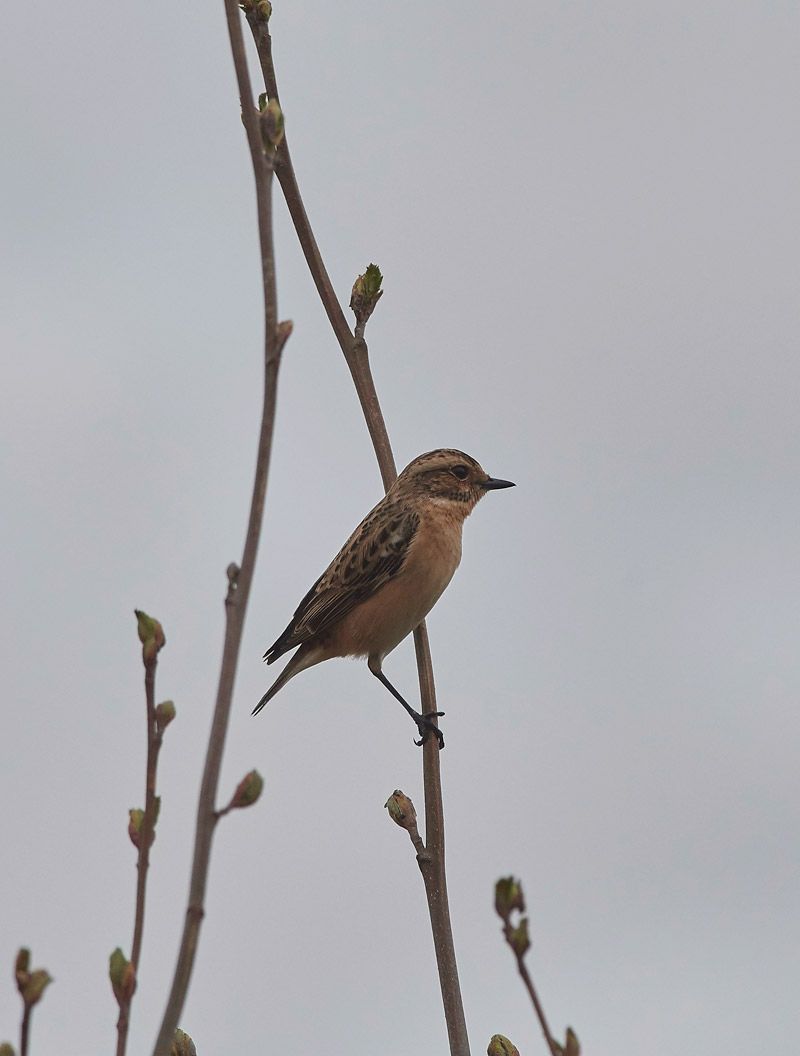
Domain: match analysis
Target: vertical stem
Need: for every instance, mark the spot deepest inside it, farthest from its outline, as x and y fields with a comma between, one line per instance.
x=145, y=840
x=24, y=1030
x=354, y=349
x=240, y=579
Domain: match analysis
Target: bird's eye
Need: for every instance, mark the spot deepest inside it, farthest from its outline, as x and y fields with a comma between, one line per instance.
x=460, y=472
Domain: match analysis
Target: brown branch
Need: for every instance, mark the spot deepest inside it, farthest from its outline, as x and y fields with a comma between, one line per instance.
x=554, y=1047
x=508, y=900
x=240, y=580
x=356, y=354
x=145, y=837
x=24, y=1030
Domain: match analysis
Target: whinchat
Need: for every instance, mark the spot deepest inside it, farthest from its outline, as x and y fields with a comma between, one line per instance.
x=389, y=574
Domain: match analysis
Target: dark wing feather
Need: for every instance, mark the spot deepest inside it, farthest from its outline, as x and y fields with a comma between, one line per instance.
x=373, y=555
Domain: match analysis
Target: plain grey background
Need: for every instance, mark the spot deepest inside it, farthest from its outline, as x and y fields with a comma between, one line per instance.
x=587, y=219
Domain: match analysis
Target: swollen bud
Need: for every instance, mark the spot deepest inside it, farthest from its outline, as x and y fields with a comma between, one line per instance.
x=366, y=293
x=6, y=1049
x=122, y=975
x=165, y=713
x=501, y=1046
x=31, y=985
x=263, y=10
x=283, y=332
x=37, y=984
x=21, y=966
x=572, y=1048
x=508, y=897
x=151, y=635
x=182, y=1044
x=401, y=810
x=248, y=790
x=271, y=123
x=135, y=826
x=518, y=938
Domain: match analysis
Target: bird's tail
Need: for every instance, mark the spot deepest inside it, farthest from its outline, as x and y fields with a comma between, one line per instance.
x=306, y=656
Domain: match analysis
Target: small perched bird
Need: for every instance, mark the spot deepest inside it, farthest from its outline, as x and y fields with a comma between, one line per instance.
x=389, y=574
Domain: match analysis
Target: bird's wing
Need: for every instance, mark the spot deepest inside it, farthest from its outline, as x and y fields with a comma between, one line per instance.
x=372, y=556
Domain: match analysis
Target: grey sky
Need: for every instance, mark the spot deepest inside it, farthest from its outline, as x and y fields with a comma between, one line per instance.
x=587, y=219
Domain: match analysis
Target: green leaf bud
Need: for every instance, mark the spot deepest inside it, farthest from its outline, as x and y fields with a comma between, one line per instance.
x=518, y=938
x=508, y=897
x=21, y=966
x=38, y=982
x=122, y=975
x=501, y=1046
x=165, y=713
x=401, y=810
x=366, y=293
x=271, y=123
x=182, y=1044
x=248, y=790
x=572, y=1047
x=151, y=635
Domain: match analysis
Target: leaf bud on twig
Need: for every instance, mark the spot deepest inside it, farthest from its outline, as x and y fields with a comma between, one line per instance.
x=283, y=332
x=401, y=810
x=122, y=975
x=182, y=1044
x=518, y=937
x=6, y=1049
x=508, y=897
x=501, y=1046
x=165, y=713
x=37, y=984
x=572, y=1047
x=366, y=293
x=135, y=824
x=21, y=966
x=271, y=122
x=247, y=791
x=151, y=635
x=31, y=985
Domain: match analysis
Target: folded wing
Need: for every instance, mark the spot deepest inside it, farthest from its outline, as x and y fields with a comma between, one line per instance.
x=371, y=557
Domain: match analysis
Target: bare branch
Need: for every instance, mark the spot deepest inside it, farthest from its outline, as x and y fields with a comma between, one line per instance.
x=356, y=354
x=509, y=899
x=151, y=635
x=264, y=130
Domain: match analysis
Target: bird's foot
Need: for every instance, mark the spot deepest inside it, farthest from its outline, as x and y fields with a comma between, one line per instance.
x=427, y=726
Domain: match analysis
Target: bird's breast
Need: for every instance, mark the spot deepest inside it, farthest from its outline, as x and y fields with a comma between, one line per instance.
x=381, y=622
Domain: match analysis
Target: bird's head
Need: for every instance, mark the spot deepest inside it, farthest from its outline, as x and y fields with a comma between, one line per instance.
x=447, y=477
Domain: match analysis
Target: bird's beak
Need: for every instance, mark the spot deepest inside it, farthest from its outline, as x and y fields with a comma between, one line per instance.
x=493, y=484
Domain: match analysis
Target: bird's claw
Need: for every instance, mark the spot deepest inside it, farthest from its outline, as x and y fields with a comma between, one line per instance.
x=426, y=726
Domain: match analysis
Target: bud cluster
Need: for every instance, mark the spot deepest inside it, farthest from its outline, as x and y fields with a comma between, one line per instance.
x=31, y=985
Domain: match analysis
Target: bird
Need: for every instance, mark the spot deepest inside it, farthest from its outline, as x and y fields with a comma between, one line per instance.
x=389, y=574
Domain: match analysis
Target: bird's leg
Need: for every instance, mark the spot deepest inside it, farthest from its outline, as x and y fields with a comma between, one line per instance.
x=425, y=723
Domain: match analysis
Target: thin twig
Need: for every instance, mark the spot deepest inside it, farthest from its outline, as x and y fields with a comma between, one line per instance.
x=356, y=355
x=509, y=900
x=525, y=975
x=24, y=1030
x=154, y=739
x=240, y=582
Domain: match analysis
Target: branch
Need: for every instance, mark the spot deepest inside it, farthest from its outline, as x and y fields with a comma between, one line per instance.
x=142, y=826
x=264, y=131
x=508, y=899
x=356, y=354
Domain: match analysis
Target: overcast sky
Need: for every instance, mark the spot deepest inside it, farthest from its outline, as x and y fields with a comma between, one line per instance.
x=587, y=219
